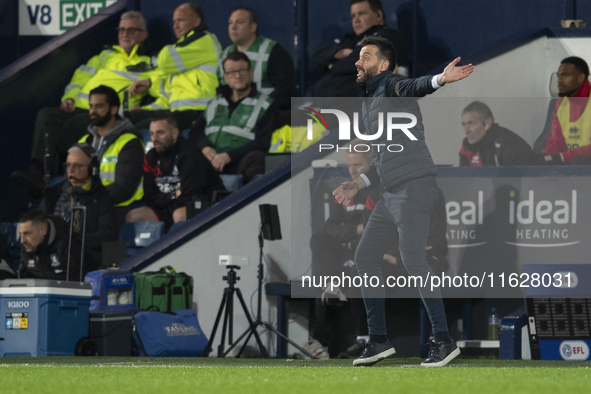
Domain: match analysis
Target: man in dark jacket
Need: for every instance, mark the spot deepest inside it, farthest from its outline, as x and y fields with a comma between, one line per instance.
x=120, y=151
x=333, y=252
x=83, y=188
x=410, y=192
x=45, y=248
x=368, y=19
x=175, y=173
x=487, y=143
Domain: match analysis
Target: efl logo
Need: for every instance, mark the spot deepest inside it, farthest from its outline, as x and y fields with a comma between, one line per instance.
x=17, y=304
x=574, y=350
x=345, y=129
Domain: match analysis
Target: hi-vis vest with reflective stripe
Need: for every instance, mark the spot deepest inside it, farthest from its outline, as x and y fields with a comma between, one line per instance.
x=107, y=68
x=258, y=53
x=577, y=133
x=191, y=90
x=202, y=53
x=108, y=164
x=185, y=76
x=226, y=131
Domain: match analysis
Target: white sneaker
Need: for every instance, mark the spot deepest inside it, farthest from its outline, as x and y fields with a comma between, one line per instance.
x=335, y=295
x=316, y=349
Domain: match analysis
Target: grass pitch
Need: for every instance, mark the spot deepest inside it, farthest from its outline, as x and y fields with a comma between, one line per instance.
x=91, y=375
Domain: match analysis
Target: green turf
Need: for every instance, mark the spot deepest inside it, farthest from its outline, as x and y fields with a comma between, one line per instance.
x=212, y=375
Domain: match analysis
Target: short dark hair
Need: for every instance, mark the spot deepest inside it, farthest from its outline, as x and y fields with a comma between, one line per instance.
x=198, y=11
x=110, y=93
x=480, y=109
x=251, y=13
x=35, y=217
x=167, y=117
x=579, y=64
x=375, y=5
x=386, y=49
x=236, y=56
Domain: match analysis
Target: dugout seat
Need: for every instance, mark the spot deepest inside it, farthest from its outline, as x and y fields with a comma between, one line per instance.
x=138, y=235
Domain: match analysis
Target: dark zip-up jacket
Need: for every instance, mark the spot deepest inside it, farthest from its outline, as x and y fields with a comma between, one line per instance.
x=498, y=147
x=414, y=161
x=50, y=259
x=101, y=225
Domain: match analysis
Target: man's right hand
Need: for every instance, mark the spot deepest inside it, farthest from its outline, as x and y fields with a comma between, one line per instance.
x=209, y=152
x=68, y=105
x=139, y=87
x=345, y=192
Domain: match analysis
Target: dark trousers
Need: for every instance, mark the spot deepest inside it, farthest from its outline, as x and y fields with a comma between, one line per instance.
x=407, y=210
x=253, y=163
x=63, y=130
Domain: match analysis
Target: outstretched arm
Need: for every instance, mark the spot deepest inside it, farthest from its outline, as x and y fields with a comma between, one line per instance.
x=453, y=73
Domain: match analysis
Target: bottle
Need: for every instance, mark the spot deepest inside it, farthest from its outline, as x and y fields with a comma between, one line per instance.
x=493, y=325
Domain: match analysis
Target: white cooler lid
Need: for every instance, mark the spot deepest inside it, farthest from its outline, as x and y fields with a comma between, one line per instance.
x=44, y=287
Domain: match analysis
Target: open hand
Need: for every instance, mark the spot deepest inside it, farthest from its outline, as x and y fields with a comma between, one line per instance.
x=345, y=192
x=453, y=73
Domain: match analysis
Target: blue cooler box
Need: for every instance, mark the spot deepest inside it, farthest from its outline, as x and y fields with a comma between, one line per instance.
x=42, y=317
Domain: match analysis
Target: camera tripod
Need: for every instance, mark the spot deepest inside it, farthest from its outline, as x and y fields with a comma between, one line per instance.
x=227, y=308
x=228, y=304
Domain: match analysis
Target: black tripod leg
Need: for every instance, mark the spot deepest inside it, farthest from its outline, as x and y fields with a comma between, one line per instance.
x=229, y=313
x=245, y=342
x=233, y=345
x=301, y=349
x=253, y=326
x=215, y=326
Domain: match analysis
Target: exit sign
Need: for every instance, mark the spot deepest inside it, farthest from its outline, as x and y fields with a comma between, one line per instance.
x=53, y=17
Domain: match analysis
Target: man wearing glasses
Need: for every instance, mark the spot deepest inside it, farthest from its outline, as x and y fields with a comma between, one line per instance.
x=117, y=67
x=83, y=187
x=234, y=131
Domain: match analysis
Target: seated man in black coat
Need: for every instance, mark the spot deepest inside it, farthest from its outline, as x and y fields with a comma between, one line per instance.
x=487, y=143
x=367, y=19
x=175, y=173
x=45, y=248
x=83, y=188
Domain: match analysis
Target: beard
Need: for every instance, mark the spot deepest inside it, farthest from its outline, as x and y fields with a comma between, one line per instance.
x=367, y=74
x=100, y=121
x=567, y=94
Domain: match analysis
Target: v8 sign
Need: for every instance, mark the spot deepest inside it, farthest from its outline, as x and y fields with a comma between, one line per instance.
x=53, y=17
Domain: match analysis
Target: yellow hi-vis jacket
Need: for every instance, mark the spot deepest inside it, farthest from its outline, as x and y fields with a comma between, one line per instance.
x=108, y=165
x=185, y=76
x=109, y=68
